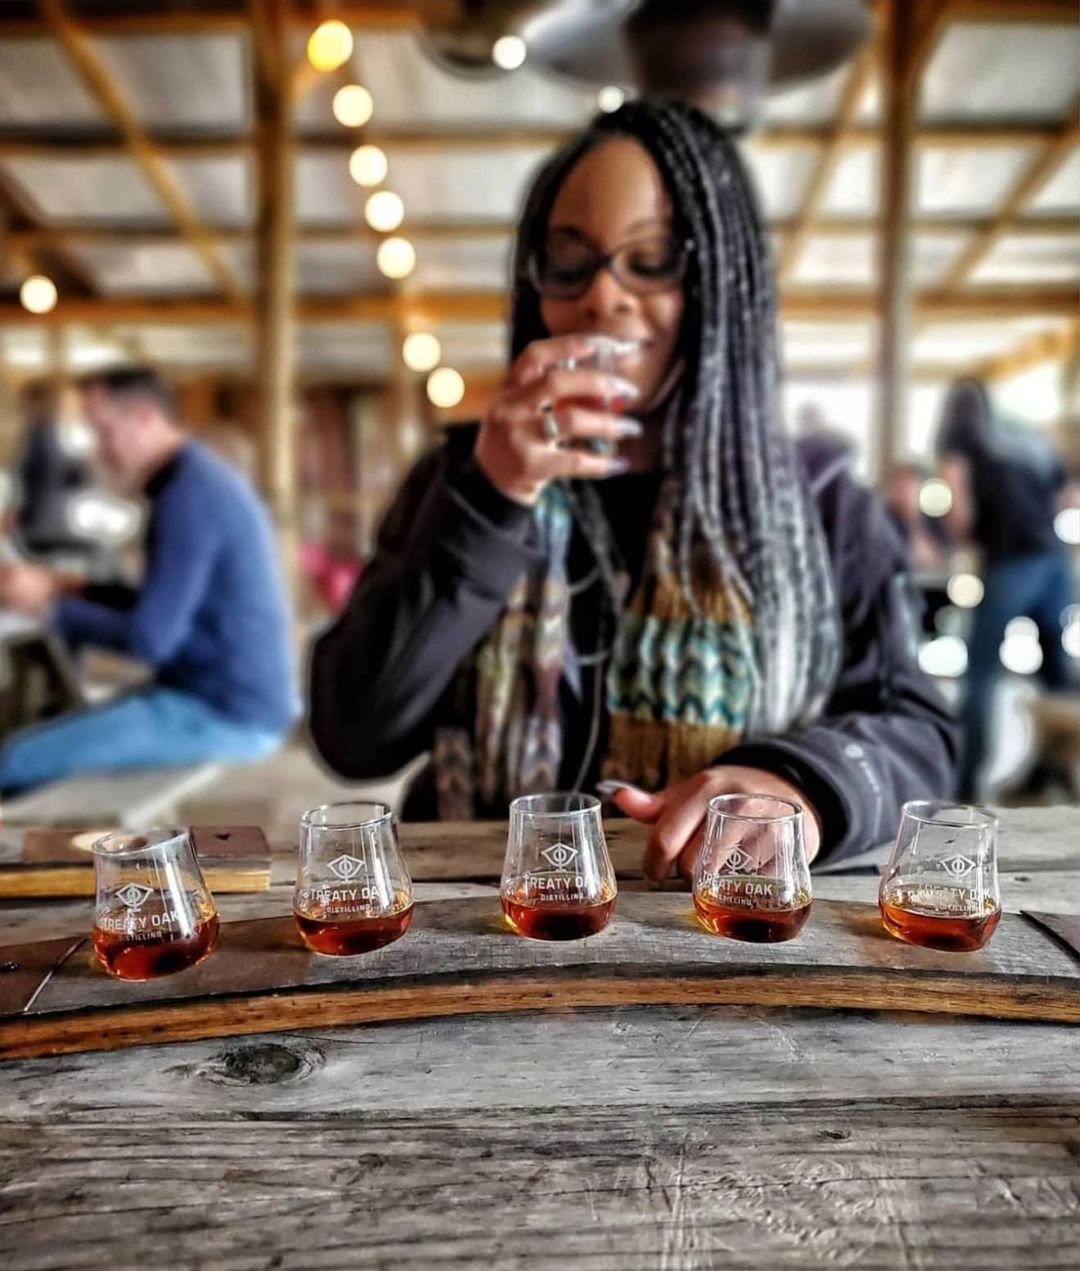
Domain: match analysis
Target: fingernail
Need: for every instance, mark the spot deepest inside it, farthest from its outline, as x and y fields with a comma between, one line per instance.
x=627, y=427
x=619, y=466
x=610, y=787
x=616, y=347
x=624, y=388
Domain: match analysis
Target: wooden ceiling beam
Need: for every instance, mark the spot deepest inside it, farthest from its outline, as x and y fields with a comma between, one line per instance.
x=825, y=305
x=171, y=144
x=41, y=246
x=102, y=86
x=389, y=15
x=500, y=231
x=850, y=100
x=1059, y=344
x=1030, y=181
x=1013, y=11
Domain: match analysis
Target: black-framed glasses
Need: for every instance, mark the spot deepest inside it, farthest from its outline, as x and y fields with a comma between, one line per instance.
x=565, y=268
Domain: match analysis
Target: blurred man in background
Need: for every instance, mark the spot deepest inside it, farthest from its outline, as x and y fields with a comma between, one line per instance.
x=209, y=617
x=1006, y=483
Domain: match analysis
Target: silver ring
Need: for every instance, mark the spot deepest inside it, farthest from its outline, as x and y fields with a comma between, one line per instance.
x=550, y=420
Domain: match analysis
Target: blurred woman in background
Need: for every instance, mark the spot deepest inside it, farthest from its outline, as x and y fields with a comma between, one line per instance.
x=631, y=577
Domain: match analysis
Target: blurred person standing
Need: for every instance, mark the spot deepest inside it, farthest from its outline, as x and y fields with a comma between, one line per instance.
x=209, y=617
x=47, y=477
x=1006, y=483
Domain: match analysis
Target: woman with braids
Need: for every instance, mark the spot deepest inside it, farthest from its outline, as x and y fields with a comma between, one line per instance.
x=631, y=579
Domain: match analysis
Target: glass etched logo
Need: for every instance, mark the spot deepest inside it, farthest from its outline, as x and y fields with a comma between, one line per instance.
x=346, y=868
x=957, y=866
x=560, y=855
x=738, y=862
x=134, y=895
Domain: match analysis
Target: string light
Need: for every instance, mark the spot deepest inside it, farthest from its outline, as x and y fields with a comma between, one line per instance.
x=947, y=656
x=384, y=211
x=38, y=294
x=610, y=98
x=368, y=165
x=330, y=45
x=935, y=497
x=445, y=387
x=509, y=52
x=1067, y=525
x=965, y=591
x=421, y=351
x=396, y=257
x=353, y=106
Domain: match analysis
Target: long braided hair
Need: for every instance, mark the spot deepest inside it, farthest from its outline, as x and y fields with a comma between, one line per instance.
x=738, y=487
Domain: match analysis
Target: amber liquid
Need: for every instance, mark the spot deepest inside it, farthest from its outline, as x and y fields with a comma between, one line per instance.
x=740, y=917
x=943, y=918
x=541, y=915
x=142, y=955
x=342, y=935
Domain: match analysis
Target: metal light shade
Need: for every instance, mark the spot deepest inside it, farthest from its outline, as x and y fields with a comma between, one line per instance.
x=585, y=40
x=463, y=45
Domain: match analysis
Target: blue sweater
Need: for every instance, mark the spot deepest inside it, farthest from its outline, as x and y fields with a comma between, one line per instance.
x=210, y=616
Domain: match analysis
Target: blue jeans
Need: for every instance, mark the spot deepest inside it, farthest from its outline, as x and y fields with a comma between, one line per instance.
x=152, y=728
x=1037, y=587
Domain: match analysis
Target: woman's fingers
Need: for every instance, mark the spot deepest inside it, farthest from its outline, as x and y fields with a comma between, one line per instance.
x=543, y=355
x=672, y=833
x=688, y=857
x=636, y=803
x=578, y=424
x=552, y=463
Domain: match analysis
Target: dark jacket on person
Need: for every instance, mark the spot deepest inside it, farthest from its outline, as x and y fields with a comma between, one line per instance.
x=210, y=615
x=451, y=548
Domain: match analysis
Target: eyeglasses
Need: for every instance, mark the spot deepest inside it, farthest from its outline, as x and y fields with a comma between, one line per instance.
x=565, y=269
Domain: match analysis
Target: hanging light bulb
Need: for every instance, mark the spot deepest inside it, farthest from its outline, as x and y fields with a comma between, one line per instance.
x=509, y=52
x=353, y=106
x=384, y=211
x=610, y=98
x=368, y=165
x=445, y=387
x=396, y=257
x=330, y=45
x=38, y=294
x=421, y=351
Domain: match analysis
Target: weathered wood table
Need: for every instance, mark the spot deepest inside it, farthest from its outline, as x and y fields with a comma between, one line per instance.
x=643, y=1137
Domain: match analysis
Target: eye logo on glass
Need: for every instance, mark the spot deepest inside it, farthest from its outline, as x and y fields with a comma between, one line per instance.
x=346, y=868
x=560, y=855
x=958, y=866
x=134, y=895
x=739, y=862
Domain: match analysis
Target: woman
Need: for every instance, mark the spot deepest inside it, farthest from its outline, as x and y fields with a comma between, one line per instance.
x=632, y=577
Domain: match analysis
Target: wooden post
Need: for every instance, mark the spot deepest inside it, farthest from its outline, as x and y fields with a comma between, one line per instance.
x=275, y=316
x=899, y=109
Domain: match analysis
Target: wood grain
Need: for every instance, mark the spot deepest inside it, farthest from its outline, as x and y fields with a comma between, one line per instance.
x=673, y=1057
x=459, y=958
x=234, y=858
x=610, y=1190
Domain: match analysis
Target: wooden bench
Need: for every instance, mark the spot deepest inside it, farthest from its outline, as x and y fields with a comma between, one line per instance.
x=128, y=800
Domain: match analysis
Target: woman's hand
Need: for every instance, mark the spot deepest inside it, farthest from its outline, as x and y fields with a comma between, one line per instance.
x=677, y=814
x=514, y=449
